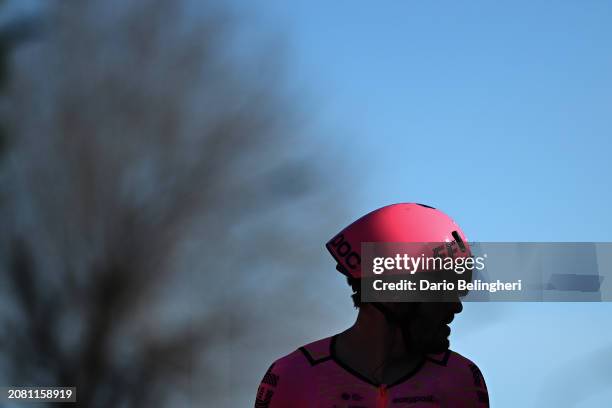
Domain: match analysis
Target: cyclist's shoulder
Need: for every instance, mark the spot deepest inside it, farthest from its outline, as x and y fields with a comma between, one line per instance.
x=450, y=358
x=453, y=361
x=455, y=366
x=460, y=361
x=317, y=351
x=293, y=376
x=306, y=356
x=458, y=379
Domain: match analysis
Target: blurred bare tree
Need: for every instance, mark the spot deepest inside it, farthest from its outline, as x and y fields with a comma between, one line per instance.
x=12, y=34
x=153, y=165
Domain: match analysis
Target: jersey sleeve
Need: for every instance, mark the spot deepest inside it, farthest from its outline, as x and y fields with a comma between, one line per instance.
x=267, y=390
x=285, y=384
x=480, y=395
x=471, y=389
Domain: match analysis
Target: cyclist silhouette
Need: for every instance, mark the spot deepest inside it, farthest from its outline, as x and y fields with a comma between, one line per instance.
x=396, y=354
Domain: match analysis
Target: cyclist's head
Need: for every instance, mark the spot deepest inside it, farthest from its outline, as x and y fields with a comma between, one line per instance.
x=396, y=223
x=424, y=324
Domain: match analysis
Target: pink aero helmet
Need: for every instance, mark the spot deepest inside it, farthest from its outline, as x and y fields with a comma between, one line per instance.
x=403, y=222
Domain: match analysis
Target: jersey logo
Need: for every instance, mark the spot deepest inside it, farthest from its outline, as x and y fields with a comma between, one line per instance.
x=270, y=378
x=263, y=399
x=264, y=394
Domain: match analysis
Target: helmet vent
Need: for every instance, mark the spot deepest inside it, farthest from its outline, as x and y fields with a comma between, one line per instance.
x=426, y=206
x=459, y=241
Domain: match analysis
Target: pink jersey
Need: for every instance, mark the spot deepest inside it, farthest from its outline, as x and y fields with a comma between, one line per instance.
x=313, y=377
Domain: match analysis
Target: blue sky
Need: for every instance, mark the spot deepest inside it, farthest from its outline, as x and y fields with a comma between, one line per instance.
x=498, y=113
